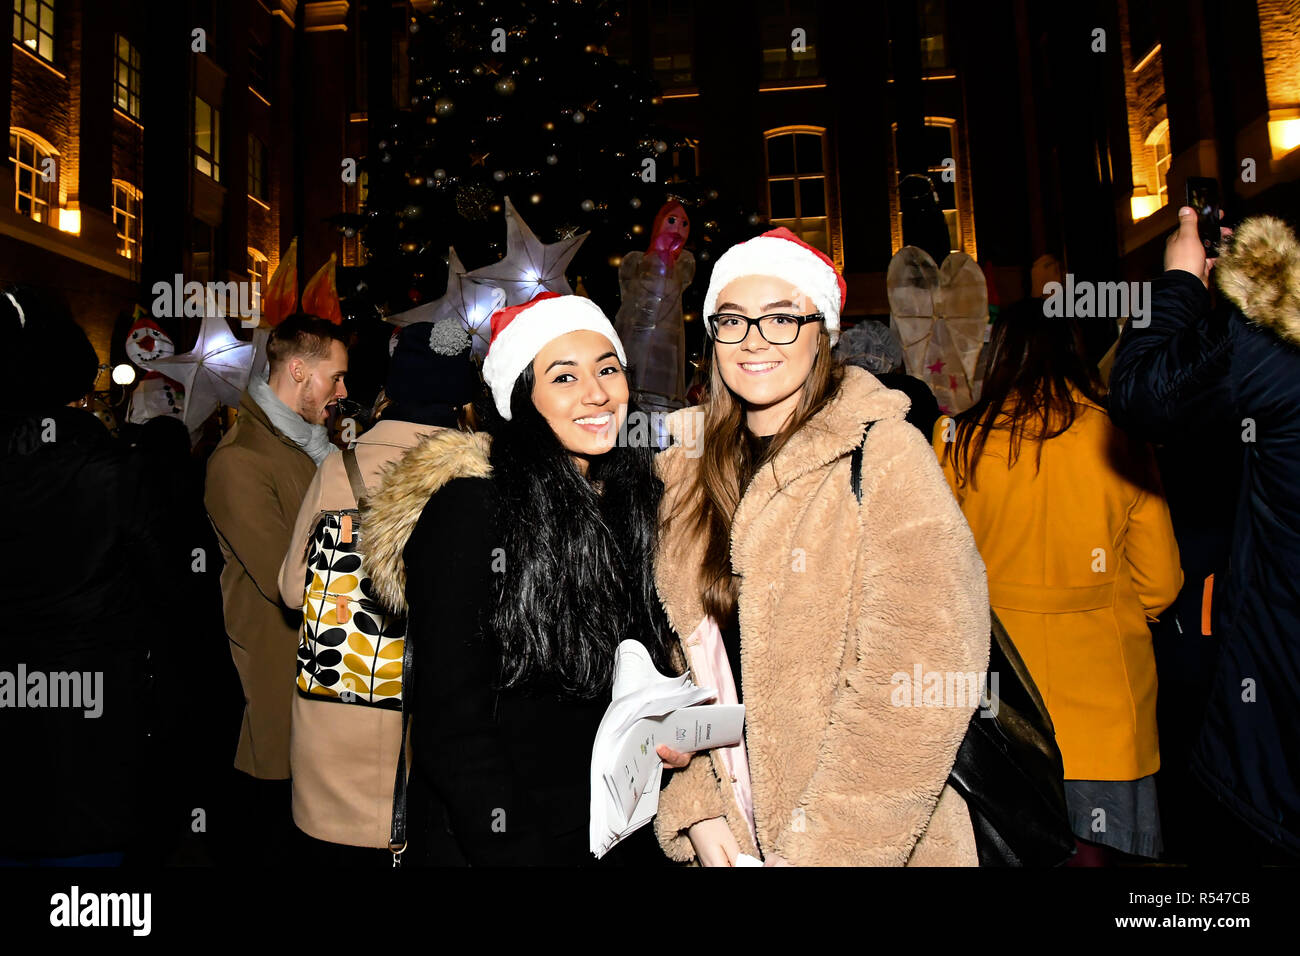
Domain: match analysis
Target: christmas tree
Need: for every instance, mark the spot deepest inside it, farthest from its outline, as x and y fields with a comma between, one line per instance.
x=521, y=101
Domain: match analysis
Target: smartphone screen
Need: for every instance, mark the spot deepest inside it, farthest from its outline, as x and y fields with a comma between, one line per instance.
x=1203, y=196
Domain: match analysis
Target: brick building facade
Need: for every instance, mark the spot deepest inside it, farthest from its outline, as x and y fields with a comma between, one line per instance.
x=805, y=109
x=241, y=112
x=1071, y=127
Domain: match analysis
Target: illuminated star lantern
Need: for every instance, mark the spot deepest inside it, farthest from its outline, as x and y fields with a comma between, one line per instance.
x=215, y=373
x=468, y=301
x=529, y=266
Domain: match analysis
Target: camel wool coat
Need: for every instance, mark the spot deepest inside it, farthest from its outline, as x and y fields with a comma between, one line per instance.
x=344, y=756
x=256, y=481
x=836, y=598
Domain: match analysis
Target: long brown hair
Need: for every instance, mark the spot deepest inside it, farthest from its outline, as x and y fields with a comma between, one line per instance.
x=728, y=462
x=1035, y=362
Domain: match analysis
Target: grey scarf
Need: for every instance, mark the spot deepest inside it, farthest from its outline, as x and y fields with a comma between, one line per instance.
x=312, y=439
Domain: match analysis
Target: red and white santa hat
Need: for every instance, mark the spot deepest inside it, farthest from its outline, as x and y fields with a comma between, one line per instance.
x=521, y=331
x=781, y=253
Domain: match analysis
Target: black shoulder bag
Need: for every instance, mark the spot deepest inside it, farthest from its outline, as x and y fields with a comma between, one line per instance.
x=1008, y=768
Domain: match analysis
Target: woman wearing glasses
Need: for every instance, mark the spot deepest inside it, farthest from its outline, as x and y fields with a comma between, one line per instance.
x=834, y=614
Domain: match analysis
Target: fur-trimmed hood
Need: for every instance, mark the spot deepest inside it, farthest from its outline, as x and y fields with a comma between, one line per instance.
x=389, y=517
x=1260, y=273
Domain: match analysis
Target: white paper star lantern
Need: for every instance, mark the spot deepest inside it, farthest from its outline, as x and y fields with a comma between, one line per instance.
x=529, y=266
x=467, y=300
x=214, y=373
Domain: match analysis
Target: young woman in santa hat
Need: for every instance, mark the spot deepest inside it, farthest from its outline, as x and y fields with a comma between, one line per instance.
x=523, y=556
x=820, y=600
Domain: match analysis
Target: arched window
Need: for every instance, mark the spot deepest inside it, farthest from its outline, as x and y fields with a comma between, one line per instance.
x=951, y=181
x=257, y=276
x=1158, y=141
x=127, y=206
x=799, y=190
x=36, y=181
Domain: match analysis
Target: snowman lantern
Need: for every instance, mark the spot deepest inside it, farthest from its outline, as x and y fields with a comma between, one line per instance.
x=146, y=341
x=156, y=394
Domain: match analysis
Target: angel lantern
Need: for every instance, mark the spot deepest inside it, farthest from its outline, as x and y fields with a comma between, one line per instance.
x=650, y=319
x=940, y=314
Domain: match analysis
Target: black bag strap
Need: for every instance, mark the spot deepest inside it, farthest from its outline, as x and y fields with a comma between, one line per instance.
x=1030, y=810
x=855, y=465
x=359, y=489
x=397, y=831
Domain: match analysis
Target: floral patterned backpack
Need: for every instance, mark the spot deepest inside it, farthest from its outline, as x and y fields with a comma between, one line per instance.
x=351, y=648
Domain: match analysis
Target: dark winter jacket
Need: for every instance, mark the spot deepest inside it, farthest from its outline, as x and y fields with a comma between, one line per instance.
x=1193, y=371
x=80, y=571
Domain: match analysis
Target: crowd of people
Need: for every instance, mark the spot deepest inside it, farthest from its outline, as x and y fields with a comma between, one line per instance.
x=424, y=622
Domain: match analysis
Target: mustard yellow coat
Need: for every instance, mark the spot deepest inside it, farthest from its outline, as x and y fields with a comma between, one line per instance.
x=1080, y=555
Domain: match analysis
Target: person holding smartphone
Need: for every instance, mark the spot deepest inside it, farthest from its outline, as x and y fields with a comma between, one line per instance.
x=1191, y=369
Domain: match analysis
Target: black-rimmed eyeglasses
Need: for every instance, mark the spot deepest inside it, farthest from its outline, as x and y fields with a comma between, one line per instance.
x=779, y=328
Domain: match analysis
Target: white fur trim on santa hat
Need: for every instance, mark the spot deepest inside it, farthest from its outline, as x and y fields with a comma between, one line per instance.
x=769, y=255
x=515, y=346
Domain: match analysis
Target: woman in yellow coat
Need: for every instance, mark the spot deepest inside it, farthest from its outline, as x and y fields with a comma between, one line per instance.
x=1075, y=533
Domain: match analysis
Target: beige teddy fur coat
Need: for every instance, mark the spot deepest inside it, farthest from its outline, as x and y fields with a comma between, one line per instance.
x=836, y=600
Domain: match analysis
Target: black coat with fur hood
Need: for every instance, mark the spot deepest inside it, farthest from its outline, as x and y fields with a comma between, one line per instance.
x=1190, y=371
x=511, y=767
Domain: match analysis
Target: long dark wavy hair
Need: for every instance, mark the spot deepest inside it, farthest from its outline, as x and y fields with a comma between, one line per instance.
x=1034, y=362
x=578, y=555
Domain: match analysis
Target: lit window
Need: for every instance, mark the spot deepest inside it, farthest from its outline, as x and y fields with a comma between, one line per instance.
x=796, y=184
x=672, y=29
x=202, y=244
x=33, y=160
x=257, y=183
x=780, y=20
x=933, y=27
x=940, y=145
x=355, y=196
x=34, y=26
x=672, y=70
x=127, y=78
x=126, y=217
x=207, y=138
x=685, y=163
x=257, y=276
x=1158, y=141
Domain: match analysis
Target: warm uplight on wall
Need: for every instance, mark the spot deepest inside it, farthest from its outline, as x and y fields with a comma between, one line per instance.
x=1144, y=206
x=70, y=219
x=1283, y=133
